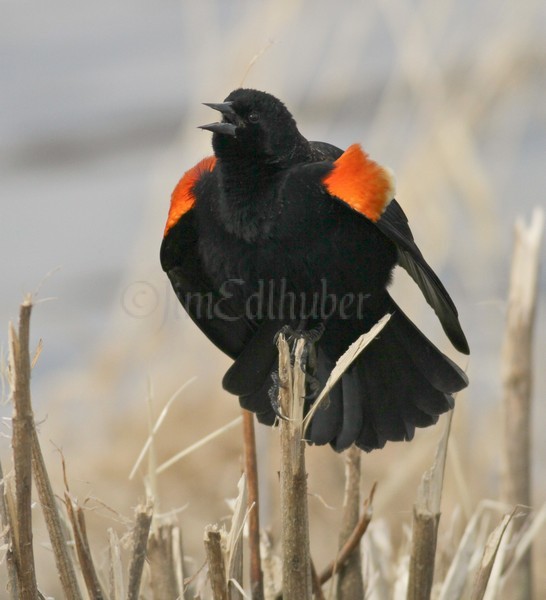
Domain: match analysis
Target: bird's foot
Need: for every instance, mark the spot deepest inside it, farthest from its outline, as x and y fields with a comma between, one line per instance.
x=311, y=336
x=274, y=395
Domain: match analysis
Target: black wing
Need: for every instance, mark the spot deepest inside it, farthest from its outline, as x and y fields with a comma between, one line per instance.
x=324, y=151
x=394, y=224
x=217, y=318
x=218, y=315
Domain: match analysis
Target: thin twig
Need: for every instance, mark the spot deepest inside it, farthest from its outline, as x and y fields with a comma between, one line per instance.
x=200, y=443
x=353, y=540
x=158, y=424
x=251, y=470
x=23, y=423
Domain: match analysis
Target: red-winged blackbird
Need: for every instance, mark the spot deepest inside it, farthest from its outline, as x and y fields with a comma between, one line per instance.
x=274, y=231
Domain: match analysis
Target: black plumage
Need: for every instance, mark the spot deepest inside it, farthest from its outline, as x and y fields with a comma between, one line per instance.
x=269, y=234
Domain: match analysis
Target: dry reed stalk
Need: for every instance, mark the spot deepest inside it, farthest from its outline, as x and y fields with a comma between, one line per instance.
x=199, y=444
x=6, y=529
x=517, y=362
x=21, y=368
x=215, y=560
x=162, y=569
x=350, y=583
x=138, y=554
x=488, y=560
x=343, y=363
x=251, y=470
x=87, y=567
x=426, y=516
x=23, y=424
x=523, y=542
x=115, y=568
x=297, y=583
x=457, y=574
x=148, y=446
x=63, y=561
x=178, y=558
x=233, y=547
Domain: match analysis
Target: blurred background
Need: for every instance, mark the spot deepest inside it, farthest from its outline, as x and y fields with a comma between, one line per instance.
x=100, y=107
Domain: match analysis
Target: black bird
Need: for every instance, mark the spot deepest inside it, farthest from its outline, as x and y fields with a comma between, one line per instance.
x=276, y=231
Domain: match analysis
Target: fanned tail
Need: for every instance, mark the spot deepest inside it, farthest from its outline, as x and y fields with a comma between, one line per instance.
x=400, y=382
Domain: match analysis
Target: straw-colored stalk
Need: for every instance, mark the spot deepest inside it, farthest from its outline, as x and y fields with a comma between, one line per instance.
x=350, y=584
x=140, y=541
x=23, y=423
x=6, y=531
x=517, y=382
x=215, y=560
x=297, y=581
x=251, y=470
x=426, y=517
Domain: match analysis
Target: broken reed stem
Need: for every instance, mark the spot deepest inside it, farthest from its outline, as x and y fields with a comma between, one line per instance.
x=233, y=544
x=488, y=558
x=138, y=555
x=517, y=382
x=23, y=423
x=423, y=553
x=350, y=583
x=353, y=540
x=215, y=560
x=83, y=551
x=251, y=470
x=295, y=524
x=426, y=517
x=6, y=529
x=50, y=509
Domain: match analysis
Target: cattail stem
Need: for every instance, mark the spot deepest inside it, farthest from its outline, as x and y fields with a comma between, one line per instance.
x=297, y=583
x=251, y=470
x=517, y=382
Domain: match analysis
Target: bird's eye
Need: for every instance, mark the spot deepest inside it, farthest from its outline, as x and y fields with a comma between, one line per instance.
x=253, y=117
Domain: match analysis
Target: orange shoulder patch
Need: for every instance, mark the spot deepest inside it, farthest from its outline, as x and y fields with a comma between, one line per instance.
x=360, y=182
x=182, y=198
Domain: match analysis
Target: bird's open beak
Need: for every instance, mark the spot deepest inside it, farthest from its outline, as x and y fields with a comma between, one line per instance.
x=228, y=125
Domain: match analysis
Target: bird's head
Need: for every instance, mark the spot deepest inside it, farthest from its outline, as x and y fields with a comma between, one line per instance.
x=255, y=124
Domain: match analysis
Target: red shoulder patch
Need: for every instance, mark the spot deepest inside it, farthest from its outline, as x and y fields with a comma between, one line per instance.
x=182, y=198
x=360, y=182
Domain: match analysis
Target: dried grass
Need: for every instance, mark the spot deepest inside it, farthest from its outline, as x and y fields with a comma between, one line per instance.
x=484, y=560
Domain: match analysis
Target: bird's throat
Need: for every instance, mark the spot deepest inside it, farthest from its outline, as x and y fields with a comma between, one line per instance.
x=248, y=200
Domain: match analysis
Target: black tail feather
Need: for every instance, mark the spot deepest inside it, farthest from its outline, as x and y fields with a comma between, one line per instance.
x=400, y=382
